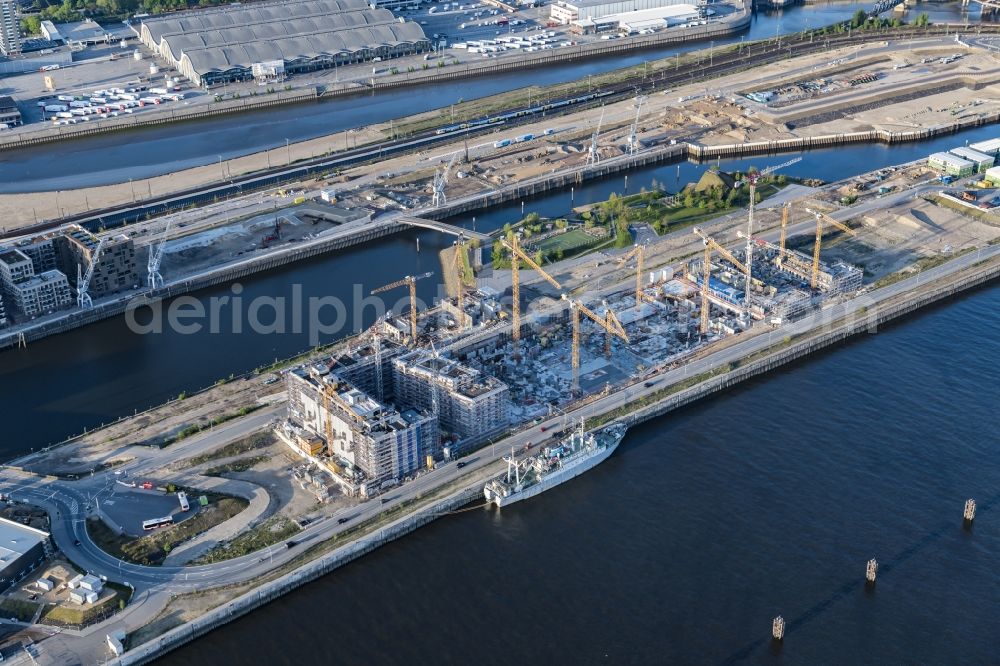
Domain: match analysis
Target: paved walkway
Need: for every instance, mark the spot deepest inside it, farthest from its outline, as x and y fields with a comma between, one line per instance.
x=259, y=500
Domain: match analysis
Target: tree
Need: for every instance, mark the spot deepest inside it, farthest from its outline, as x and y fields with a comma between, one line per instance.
x=532, y=218
x=121, y=604
x=539, y=257
x=31, y=25
x=922, y=21
x=859, y=18
x=561, y=224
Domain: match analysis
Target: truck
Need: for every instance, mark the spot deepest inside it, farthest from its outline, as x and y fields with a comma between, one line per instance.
x=78, y=104
x=56, y=108
x=147, y=485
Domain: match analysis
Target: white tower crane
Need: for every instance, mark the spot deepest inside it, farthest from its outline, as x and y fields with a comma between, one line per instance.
x=83, y=282
x=633, y=137
x=440, y=180
x=593, y=157
x=155, y=257
x=752, y=179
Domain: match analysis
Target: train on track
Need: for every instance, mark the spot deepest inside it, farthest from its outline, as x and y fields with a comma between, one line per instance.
x=501, y=118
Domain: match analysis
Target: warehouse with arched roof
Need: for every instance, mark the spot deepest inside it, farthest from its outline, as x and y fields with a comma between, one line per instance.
x=223, y=44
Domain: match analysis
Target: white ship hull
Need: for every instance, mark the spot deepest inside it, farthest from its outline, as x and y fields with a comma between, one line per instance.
x=561, y=475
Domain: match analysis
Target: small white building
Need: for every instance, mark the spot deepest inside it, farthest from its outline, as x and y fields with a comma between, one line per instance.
x=989, y=147
x=44, y=584
x=91, y=583
x=329, y=196
x=74, y=582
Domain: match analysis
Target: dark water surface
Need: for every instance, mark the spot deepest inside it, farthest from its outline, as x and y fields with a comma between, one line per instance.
x=115, y=158
x=704, y=525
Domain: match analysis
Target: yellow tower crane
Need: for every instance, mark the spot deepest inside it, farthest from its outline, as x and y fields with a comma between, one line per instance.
x=459, y=269
x=820, y=219
x=514, y=245
x=784, y=232
x=710, y=245
x=609, y=323
x=411, y=281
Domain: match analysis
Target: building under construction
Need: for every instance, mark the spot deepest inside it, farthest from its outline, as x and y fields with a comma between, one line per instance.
x=369, y=445
x=470, y=405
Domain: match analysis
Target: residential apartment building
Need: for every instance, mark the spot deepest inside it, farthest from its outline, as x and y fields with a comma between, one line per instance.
x=470, y=406
x=10, y=115
x=10, y=29
x=370, y=443
x=30, y=295
x=116, y=268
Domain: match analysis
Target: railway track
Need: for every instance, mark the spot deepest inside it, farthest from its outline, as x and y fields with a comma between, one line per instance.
x=752, y=54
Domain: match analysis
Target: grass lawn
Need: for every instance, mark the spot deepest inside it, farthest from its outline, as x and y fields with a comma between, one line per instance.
x=270, y=532
x=258, y=440
x=152, y=549
x=568, y=242
x=18, y=608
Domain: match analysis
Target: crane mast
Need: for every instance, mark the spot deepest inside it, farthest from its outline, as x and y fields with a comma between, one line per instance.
x=411, y=282
x=459, y=269
x=820, y=218
x=752, y=178
x=440, y=180
x=156, y=257
x=83, y=298
x=609, y=323
x=593, y=157
x=516, y=254
x=633, y=137
x=711, y=244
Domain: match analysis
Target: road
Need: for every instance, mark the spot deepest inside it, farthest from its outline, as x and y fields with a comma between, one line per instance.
x=68, y=501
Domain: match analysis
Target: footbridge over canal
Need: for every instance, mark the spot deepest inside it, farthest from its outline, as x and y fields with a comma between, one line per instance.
x=443, y=227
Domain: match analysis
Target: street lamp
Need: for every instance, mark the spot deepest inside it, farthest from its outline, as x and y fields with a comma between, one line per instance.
x=222, y=168
x=288, y=152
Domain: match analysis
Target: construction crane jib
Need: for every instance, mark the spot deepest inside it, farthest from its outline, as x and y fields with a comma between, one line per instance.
x=459, y=272
x=706, y=263
x=156, y=258
x=514, y=245
x=820, y=219
x=638, y=251
x=593, y=157
x=83, y=298
x=411, y=282
x=438, y=197
x=752, y=179
x=610, y=323
x=633, y=137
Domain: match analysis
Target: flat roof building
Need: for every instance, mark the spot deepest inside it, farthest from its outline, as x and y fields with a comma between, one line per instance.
x=981, y=160
x=116, y=270
x=224, y=44
x=22, y=549
x=568, y=11
x=370, y=441
x=989, y=147
x=10, y=28
x=10, y=115
x=470, y=405
x=951, y=164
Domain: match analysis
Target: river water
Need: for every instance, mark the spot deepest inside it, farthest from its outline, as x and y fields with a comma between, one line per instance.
x=684, y=544
x=114, y=158
x=703, y=526
x=65, y=383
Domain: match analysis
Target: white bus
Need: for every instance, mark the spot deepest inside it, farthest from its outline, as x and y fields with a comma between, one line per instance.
x=154, y=523
x=182, y=498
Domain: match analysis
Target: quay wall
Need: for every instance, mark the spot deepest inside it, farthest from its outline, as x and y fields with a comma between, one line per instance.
x=168, y=114
x=269, y=592
x=982, y=274
x=515, y=192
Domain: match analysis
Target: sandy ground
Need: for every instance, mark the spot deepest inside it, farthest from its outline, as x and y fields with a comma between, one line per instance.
x=706, y=115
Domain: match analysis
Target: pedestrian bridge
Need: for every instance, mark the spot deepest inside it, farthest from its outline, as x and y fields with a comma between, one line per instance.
x=443, y=227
